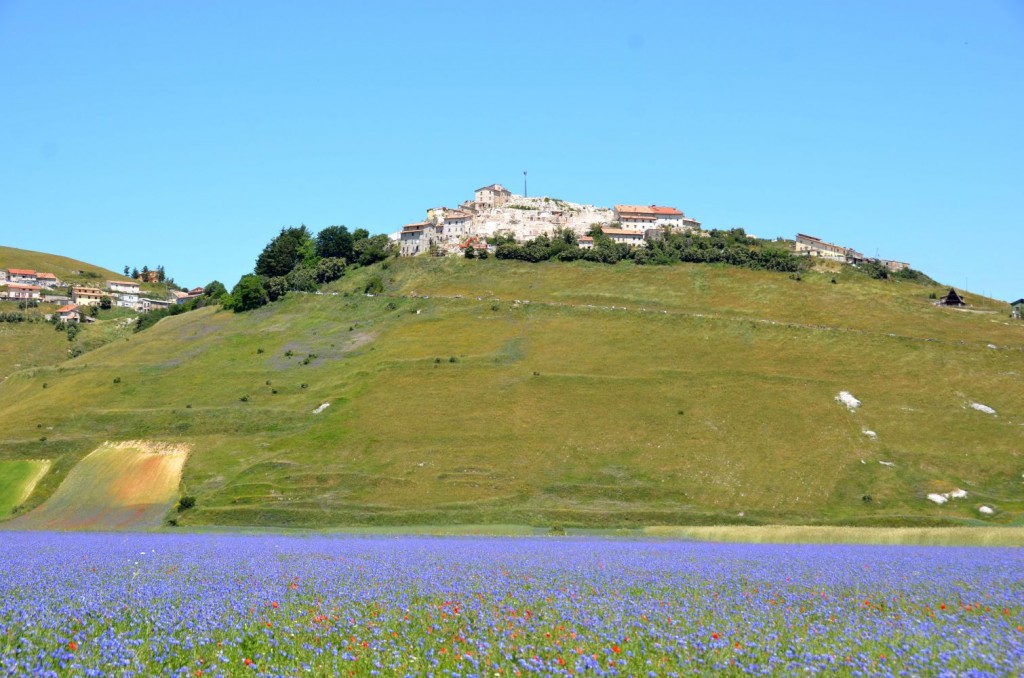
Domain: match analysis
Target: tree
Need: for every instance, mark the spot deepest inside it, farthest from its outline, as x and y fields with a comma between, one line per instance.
x=371, y=250
x=284, y=252
x=126, y=271
x=105, y=303
x=248, y=294
x=335, y=242
x=360, y=234
x=160, y=274
x=135, y=273
x=470, y=252
x=329, y=269
x=214, y=289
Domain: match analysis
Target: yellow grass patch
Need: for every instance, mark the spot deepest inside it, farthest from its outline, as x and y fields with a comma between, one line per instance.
x=123, y=485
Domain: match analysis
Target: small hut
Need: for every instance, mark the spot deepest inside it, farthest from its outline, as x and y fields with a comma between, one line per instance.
x=1017, y=309
x=952, y=299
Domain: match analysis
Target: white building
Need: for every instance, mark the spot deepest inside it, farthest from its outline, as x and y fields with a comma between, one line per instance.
x=625, y=236
x=127, y=286
x=491, y=196
x=47, y=280
x=23, y=292
x=86, y=296
x=644, y=217
x=417, y=238
x=22, y=276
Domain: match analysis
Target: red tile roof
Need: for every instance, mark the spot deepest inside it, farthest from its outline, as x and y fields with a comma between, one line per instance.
x=648, y=210
x=68, y=308
x=16, y=286
x=46, y=276
x=21, y=271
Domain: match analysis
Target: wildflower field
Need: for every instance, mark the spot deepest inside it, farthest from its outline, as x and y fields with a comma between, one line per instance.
x=237, y=605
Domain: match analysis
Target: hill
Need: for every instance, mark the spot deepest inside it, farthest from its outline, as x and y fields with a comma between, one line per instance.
x=31, y=342
x=559, y=394
x=66, y=269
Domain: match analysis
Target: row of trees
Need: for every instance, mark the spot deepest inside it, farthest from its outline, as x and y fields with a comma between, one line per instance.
x=213, y=293
x=732, y=247
x=295, y=260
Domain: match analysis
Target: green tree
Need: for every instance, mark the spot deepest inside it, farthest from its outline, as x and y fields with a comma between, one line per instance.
x=106, y=303
x=126, y=271
x=248, y=294
x=371, y=250
x=291, y=247
x=360, y=234
x=214, y=289
x=335, y=242
x=135, y=273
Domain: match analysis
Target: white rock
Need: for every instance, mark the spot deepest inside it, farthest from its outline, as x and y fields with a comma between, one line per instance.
x=983, y=408
x=846, y=398
x=887, y=463
x=870, y=434
x=992, y=346
x=987, y=510
x=321, y=408
x=957, y=494
x=937, y=498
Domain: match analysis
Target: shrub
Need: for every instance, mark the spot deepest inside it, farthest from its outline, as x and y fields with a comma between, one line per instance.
x=186, y=502
x=374, y=285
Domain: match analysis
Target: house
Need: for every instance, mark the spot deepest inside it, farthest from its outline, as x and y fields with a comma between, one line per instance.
x=417, y=238
x=47, y=280
x=23, y=292
x=952, y=299
x=625, y=236
x=894, y=266
x=86, y=296
x=494, y=195
x=22, y=276
x=147, y=305
x=585, y=242
x=129, y=286
x=69, y=314
x=456, y=224
x=809, y=245
x=644, y=217
x=1017, y=309
x=149, y=277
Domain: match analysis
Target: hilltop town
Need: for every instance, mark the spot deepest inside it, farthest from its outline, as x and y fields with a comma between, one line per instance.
x=496, y=211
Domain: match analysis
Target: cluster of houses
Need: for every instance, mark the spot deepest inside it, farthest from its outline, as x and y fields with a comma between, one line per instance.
x=28, y=285
x=495, y=210
x=810, y=246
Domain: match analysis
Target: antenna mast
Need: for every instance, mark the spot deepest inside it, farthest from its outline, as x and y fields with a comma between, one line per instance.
x=526, y=193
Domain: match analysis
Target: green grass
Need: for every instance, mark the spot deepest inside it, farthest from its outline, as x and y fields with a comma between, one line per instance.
x=17, y=480
x=705, y=397
x=66, y=269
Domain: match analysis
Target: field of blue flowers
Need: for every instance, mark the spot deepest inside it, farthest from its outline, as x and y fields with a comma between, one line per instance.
x=235, y=605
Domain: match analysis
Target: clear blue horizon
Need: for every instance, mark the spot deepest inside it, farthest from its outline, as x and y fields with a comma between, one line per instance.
x=188, y=134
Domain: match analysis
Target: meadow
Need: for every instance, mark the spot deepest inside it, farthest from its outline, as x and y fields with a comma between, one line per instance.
x=231, y=605
x=559, y=396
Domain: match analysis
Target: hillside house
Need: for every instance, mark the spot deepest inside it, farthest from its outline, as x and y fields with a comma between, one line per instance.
x=952, y=299
x=129, y=286
x=491, y=196
x=69, y=314
x=1017, y=309
x=22, y=276
x=417, y=238
x=809, y=245
x=894, y=266
x=625, y=236
x=47, y=280
x=585, y=242
x=457, y=224
x=146, y=305
x=645, y=217
x=20, y=292
x=86, y=296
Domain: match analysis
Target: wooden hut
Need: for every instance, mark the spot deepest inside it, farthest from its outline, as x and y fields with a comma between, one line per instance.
x=952, y=299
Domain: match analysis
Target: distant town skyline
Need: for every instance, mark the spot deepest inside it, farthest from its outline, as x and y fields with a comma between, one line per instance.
x=188, y=135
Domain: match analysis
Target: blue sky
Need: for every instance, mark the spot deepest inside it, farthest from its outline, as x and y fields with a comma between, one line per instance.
x=187, y=134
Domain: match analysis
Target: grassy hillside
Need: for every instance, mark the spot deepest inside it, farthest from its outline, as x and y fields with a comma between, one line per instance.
x=606, y=396
x=66, y=269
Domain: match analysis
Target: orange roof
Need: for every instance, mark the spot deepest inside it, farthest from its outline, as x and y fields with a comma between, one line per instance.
x=21, y=271
x=68, y=308
x=621, y=231
x=585, y=238
x=46, y=276
x=123, y=282
x=88, y=290
x=455, y=214
x=16, y=286
x=651, y=210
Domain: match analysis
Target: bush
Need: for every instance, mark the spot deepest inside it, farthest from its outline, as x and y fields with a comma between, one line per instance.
x=186, y=502
x=374, y=285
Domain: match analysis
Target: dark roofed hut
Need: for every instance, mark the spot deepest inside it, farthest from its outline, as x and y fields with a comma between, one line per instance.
x=952, y=299
x=1017, y=308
